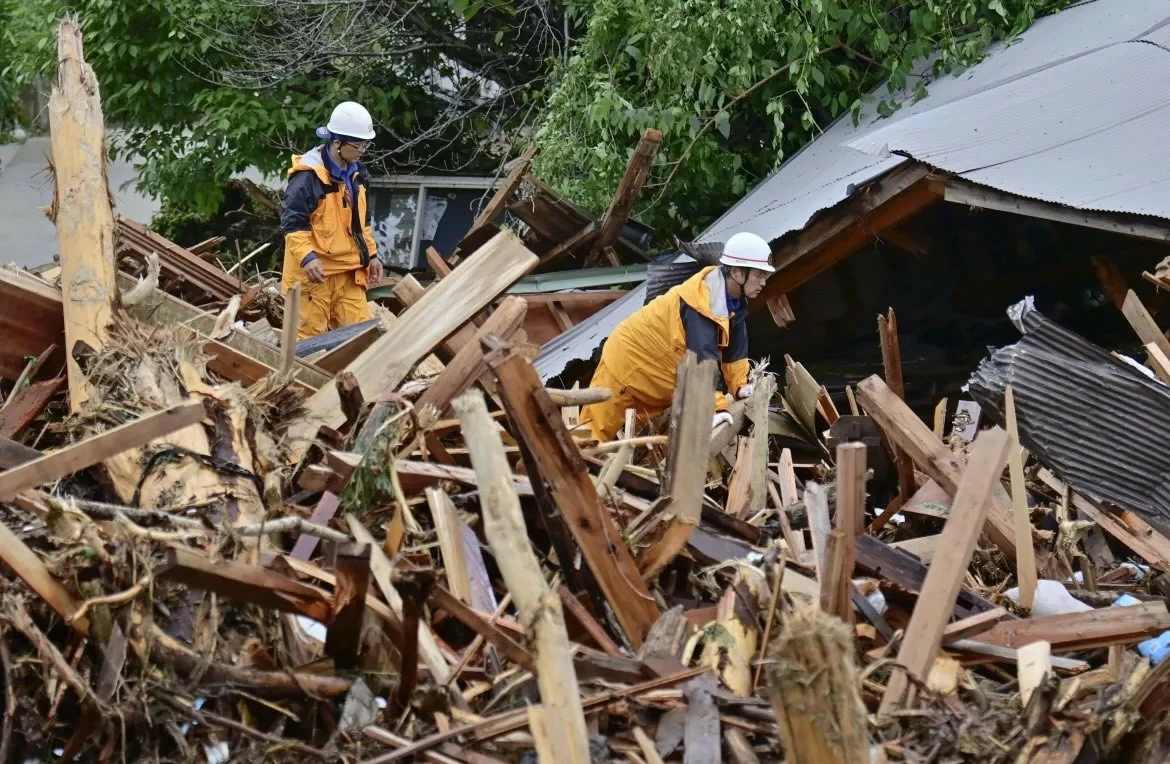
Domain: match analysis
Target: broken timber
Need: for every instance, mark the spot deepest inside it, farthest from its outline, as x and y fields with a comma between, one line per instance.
x=445, y=307
x=81, y=206
x=537, y=422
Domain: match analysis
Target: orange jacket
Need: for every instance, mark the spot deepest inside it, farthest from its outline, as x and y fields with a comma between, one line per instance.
x=644, y=351
x=317, y=216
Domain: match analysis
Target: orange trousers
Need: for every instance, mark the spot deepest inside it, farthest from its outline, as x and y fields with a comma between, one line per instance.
x=606, y=418
x=336, y=302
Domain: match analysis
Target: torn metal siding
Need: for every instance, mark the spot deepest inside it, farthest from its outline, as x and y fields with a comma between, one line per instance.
x=1096, y=421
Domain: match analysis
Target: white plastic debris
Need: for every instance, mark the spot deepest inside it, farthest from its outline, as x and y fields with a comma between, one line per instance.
x=1052, y=598
x=878, y=600
x=219, y=753
x=1139, y=366
x=314, y=629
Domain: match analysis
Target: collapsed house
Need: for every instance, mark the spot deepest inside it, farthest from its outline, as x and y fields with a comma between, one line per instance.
x=396, y=544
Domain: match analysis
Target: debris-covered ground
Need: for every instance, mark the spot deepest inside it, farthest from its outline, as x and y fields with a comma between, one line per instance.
x=406, y=549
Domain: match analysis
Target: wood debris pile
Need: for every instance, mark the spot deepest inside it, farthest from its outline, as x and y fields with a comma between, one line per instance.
x=408, y=549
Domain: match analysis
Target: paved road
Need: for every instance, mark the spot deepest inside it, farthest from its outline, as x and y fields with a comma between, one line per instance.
x=27, y=238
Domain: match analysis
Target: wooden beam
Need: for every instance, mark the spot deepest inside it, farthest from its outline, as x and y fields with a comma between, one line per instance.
x=494, y=635
x=931, y=455
x=1085, y=630
x=343, y=639
x=81, y=208
x=288, y=331
x=491, y=270
x=588, y=230
x=98, y=448
x=897, y=564
x=961, y=191
x=537, y=422
x=583, y=617
x=245, y=583
x=1025, y=554
x=538, y=605
x=469, y=365
x=923, y=635
x=499, y=200
x=409, y=292
x=1143, y=323
x=691, y=415
x=30, y=320
x=628, y=189
x=1142, y=539
x=892, y=366
x=1159, y=362
x=881, y=205
x=973, y=625
x=762, y=393
x=446, y=521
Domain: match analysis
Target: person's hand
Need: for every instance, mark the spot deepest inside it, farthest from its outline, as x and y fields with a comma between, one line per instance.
x=375, y=270
x=721, y=417
x=744, y=392
x=315, y=271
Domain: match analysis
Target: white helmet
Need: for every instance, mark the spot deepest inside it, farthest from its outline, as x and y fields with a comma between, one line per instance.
x=351, y=120
x=747, y=250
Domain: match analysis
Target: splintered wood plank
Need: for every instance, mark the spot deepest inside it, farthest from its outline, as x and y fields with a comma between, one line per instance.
x=693, y=409
x=499, y=200
x=492, y=634
x=1143, y=323
x=739, y=486
x=98, y=448
x=468, y=364
x=851, y=472
x=26, y=564
x=1159, y=362
x=628, y=189
x=945, y=577
x=288, y=330
x=30, y=320
x=1025, y=554
x=1034, y=665
x=27, y=405
x=446, y=306
x=1143, y=540
x=409, y=292
x=326, y=508
x=758, y=413
x=82, y=210
x=892, y=365
x=537, y=421
x=587, y=622
x=976, y=624
x=929, y=453
x=538, y=605
x=816, y=504
x=447, y=528
x=1089, y=629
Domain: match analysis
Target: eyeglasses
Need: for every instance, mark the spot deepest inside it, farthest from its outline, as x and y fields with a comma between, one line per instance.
x=360, y=145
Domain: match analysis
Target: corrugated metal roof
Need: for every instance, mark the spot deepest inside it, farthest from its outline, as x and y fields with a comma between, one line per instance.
x=1098, y=422
x=1074, y=112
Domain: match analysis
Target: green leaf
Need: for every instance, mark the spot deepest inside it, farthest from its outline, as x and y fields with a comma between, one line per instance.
x=723, y=124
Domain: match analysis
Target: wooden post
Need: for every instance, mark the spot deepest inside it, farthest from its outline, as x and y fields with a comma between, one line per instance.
x=945, y=576
x=1033, y=666
x=288, y=331
x=691, y=414
x=851, y=472
x=928, y=452
x=499, y=199
x=537, y=422
x=539, y=606
x=81, y=206
x=1025, y=554
x=892, y=364
x=758, y=411
x=637, y=171
x=814, y=690
x=344, y=637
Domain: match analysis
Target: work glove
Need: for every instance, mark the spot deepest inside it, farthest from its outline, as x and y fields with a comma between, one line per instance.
x=721, y=417
x=745, y=392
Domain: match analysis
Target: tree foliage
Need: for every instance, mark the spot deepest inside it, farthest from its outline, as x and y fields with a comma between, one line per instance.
x=206, y=88
x=738, y=85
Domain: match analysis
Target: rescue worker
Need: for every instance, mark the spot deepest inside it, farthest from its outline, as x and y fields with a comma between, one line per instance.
x=329, y=247
x=707, y=313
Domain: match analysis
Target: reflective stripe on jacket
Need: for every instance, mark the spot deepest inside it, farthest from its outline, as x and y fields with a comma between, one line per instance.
x=317, y=216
